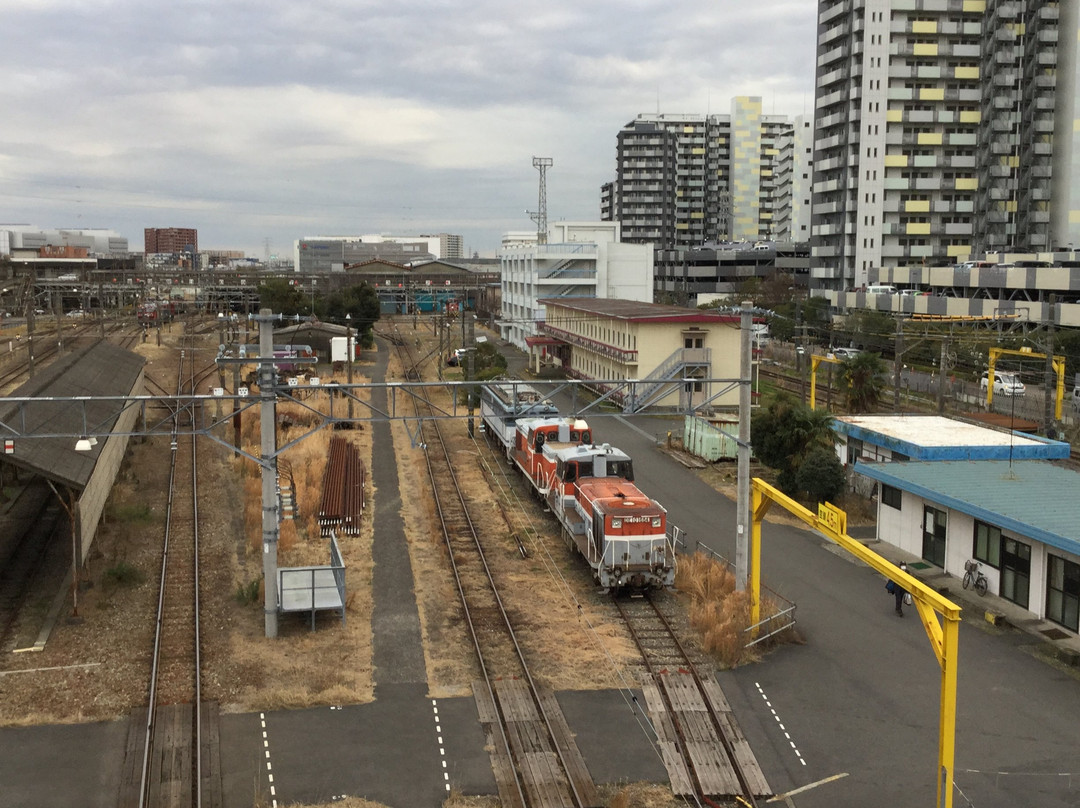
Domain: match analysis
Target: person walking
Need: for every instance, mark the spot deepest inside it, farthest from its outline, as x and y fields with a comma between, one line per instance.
x=898, y=592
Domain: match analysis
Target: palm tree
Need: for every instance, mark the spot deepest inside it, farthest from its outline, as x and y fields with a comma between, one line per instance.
x=863, y=385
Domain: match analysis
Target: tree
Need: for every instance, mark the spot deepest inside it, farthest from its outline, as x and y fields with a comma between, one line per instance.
x=360, y=303
x=282, y=298
x=875, y=330
x=784, y=435
x=862, y=377
x=821, y=475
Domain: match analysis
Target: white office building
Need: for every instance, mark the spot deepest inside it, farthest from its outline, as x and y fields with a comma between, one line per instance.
x=579, y=260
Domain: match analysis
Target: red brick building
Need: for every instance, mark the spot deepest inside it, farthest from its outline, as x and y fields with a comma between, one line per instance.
x=170, y=240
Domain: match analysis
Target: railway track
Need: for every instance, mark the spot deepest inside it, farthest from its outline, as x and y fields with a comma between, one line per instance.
x=534, y=757
x=171, y=754
x=702, y=746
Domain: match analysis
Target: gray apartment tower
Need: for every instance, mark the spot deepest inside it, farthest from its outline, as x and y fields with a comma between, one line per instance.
x=684, y=181
x=943, y=129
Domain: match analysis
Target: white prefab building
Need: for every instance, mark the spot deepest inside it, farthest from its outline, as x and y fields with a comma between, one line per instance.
x=581, y=260
x=1019, y=520
x=934, y=437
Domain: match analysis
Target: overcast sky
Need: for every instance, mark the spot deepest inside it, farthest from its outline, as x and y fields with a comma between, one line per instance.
x=266, y=120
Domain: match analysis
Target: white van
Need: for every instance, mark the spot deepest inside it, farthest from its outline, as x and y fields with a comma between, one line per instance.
x=882, y=289
x=1006, y=383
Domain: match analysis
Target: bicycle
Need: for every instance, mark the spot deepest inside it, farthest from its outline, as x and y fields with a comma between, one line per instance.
x=973, y=577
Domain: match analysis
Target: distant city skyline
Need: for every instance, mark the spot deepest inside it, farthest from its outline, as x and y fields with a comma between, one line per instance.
x=326, y=119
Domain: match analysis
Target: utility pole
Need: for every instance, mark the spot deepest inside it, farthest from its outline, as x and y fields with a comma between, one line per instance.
x=943, y=370
x=542, y=164
x=898, y=364
x=470, y=367
x=1049, y=385
x=743, y=517
x=268, y=455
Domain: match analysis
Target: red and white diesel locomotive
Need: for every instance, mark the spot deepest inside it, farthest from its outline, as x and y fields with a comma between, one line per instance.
x=606, y=518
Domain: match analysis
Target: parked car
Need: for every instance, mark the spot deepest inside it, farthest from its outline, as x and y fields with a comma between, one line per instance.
x=1076, y=399
x=1006, y=383
x=844, y=353
x=76, y=313
x=455, y=357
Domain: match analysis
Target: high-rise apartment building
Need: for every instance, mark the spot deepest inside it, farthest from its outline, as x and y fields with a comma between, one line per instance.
x=943, y=128
x=170, y=240
x=688, y=180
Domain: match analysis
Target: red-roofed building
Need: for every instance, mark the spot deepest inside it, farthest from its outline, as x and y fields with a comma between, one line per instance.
x=665, y=347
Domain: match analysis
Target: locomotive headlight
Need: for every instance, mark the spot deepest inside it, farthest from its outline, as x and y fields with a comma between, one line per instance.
x=656, y=520
x=616, y=523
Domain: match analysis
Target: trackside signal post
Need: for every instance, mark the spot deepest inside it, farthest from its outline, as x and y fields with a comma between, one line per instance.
x=832, y=523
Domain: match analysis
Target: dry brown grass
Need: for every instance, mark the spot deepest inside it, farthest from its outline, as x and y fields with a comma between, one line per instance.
x=572, y=639
x=721, y=615
x=640, y=795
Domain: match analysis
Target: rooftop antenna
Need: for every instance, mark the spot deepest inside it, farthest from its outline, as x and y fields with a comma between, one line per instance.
x=540, y=216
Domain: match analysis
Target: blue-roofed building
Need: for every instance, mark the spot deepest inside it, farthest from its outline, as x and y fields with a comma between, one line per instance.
x=1020, y=519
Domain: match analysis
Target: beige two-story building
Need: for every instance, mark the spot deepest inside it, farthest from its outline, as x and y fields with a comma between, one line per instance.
x=670, y=351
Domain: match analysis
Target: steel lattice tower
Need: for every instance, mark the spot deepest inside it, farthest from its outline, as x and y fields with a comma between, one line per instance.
x=540, y=217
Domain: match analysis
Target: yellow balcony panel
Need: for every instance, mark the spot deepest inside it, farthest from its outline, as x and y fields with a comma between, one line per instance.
x=974, y=6
x=967, y=72
x=765, y=216
x=967, y=184
x=917, y=206
x=918, y=228
x=697, y=215
x=896, y=161
x=929, y=138
x=932, y=94
x=697, y=150
x=970, y=116
x=1010, y=206
x=682, y=226
x=894, y=115
x=1014, y=160
x=958, y=249
x=766, y=172
x=924, y=27
x=772, y=151
x=688, y=130
x=924, y=49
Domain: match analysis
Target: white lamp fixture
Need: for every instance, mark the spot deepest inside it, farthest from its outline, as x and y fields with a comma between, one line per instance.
x=84, y=444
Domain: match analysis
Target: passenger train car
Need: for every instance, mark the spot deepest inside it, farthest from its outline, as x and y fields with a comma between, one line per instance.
x=619, y=530
x=503, y=403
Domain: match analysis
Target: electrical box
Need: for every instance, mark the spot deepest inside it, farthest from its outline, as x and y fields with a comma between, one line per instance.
x=338, y=350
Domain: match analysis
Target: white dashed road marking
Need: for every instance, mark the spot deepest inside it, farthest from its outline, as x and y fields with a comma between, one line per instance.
x=442, y=749
x=780, y=724
x=269, y=768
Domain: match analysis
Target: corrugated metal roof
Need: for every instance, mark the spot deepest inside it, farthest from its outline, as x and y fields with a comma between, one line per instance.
x=99, y=370
x=1030, y=498
x=935, y=437
x=637, y=310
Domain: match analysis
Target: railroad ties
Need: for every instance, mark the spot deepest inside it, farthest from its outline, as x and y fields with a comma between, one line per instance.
x=542, y=776
x=342, y=503
x=703, y=749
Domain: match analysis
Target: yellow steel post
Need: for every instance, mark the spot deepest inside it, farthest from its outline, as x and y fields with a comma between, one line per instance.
x=831, y=522
x=759, y=506
x=947, y=726
x=814, y=362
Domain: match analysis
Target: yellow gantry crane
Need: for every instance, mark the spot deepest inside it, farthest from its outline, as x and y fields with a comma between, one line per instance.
x=831, y=522
x=1058, y=363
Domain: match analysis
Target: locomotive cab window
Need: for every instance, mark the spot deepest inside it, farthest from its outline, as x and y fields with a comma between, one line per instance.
x=621, y=468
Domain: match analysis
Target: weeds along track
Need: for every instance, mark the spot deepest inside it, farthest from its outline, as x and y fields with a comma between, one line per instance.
x=702, y=745
x=535, y=760
x=170, y=741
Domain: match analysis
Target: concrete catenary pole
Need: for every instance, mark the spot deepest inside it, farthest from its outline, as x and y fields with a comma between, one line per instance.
x=742, y=537
x=268, y=433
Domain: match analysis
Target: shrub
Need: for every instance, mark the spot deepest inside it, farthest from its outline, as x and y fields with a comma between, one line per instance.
x=249, y=593
x=124, y=574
